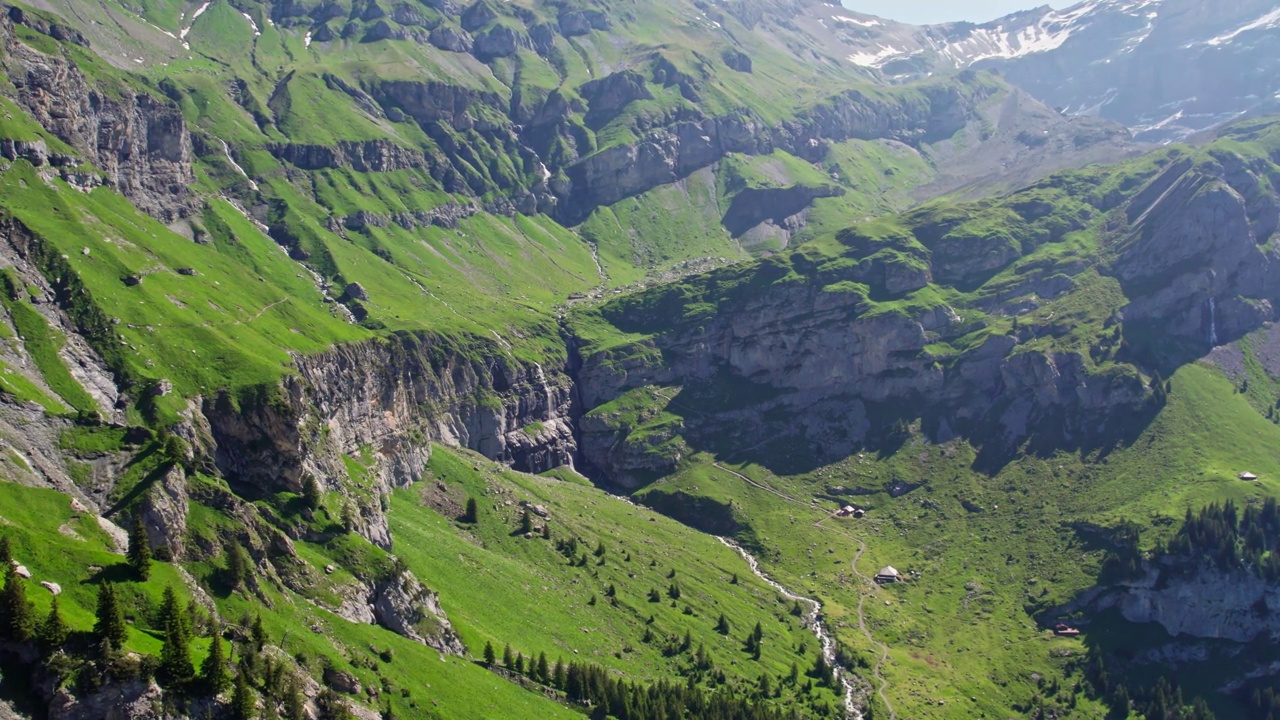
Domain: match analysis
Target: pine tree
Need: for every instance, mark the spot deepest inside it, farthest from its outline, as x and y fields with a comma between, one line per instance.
x=258, y=632
x=16, y=619
x=472, y=515
x=294, y=703
x=722, y=626
x=508, y=660
x=239, y=566
x=6, y=550
x=109, y=625
x=526, y=523
x=242, y=704
x=175, y=654
x=140, y=549
x=542, y=672
x=490, y=656
x=546, y=531
x=213, y=671
x=53, y=632
x=312, y=496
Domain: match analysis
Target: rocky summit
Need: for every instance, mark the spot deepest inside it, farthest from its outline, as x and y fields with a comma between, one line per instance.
x=694, y=359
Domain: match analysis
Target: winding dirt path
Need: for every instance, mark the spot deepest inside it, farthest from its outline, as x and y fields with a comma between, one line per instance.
x=877, y=671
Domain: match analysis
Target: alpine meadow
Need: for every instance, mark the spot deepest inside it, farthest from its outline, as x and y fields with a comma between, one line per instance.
x=638, y=360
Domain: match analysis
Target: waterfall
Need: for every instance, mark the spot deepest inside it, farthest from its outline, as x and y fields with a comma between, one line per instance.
x=1213, y=323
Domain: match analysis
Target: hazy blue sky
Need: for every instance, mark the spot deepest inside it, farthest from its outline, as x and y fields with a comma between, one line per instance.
x=933, y=11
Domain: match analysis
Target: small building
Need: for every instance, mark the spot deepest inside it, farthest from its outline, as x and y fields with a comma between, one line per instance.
x=1065, y=630
x=888, y=574
x=1248, y=476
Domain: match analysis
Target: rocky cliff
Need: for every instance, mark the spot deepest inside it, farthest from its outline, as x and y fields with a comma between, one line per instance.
x=837, y=348
x=140, y=143
x=387, y=400
x=1199, y=602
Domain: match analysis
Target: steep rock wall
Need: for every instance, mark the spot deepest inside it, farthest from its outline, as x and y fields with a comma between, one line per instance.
x=140, y=142
x=386, y=401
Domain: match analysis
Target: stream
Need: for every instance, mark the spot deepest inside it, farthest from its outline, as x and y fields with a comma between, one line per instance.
x=813, y=620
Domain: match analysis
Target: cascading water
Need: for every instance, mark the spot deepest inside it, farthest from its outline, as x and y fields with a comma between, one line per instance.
x=1213, y=323
x=813, y=619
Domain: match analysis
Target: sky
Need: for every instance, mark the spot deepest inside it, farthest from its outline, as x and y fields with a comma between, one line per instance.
x=934, y=11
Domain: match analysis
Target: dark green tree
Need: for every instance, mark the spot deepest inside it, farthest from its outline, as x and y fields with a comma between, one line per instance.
x=542, y=671
x=294, y=703
x=258, y=632
x=175, y=654
x=139, y=549
x=242, y=704
x=312, y=495
x=508, y=659
x=490, y=656
x=53, y=631
x=238, y=565
x=17, y=619
x=109, y=625
x=6, y=550
x=722, y=625
x=213, y=671
x=526, y=522
x=472, y=515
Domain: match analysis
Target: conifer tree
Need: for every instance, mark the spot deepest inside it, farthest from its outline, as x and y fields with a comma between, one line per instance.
x=490, y=656
x=109, y=625
x=472, y=515
x=258, y=632
x=53, y=631
x=508, y=660
x=213, y=671
x=242, y=704
x=542, y=673
x=175, y=654
x=722, y=626
x=139, y=549
x=6, y=550
x=312, y=496
x=16, y=619
x=526, y=523
x=294, y=703
x=238, y=565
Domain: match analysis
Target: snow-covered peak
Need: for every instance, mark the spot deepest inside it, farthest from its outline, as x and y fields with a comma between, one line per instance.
x=1017, y=35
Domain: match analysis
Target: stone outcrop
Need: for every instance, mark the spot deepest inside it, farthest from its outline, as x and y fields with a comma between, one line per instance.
x=674, y=150
x=395, y=396
x=139, y=142
x=1200, y=602
x=827, y=365
x=366, y=156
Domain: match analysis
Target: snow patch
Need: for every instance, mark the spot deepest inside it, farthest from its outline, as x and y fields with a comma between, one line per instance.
x=1266, y=22
x=199, y=11
x=875, y=59
x=856, y=21
x=306, y=39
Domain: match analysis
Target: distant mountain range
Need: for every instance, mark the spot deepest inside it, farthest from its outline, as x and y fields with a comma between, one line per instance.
x=1164, y=68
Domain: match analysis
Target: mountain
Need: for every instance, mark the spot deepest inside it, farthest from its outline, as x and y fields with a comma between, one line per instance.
x=1164, y=68
x=522, y=359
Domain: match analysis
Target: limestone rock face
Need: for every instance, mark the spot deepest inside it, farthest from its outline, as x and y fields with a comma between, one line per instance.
x=141, y=143
x=395, y=396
